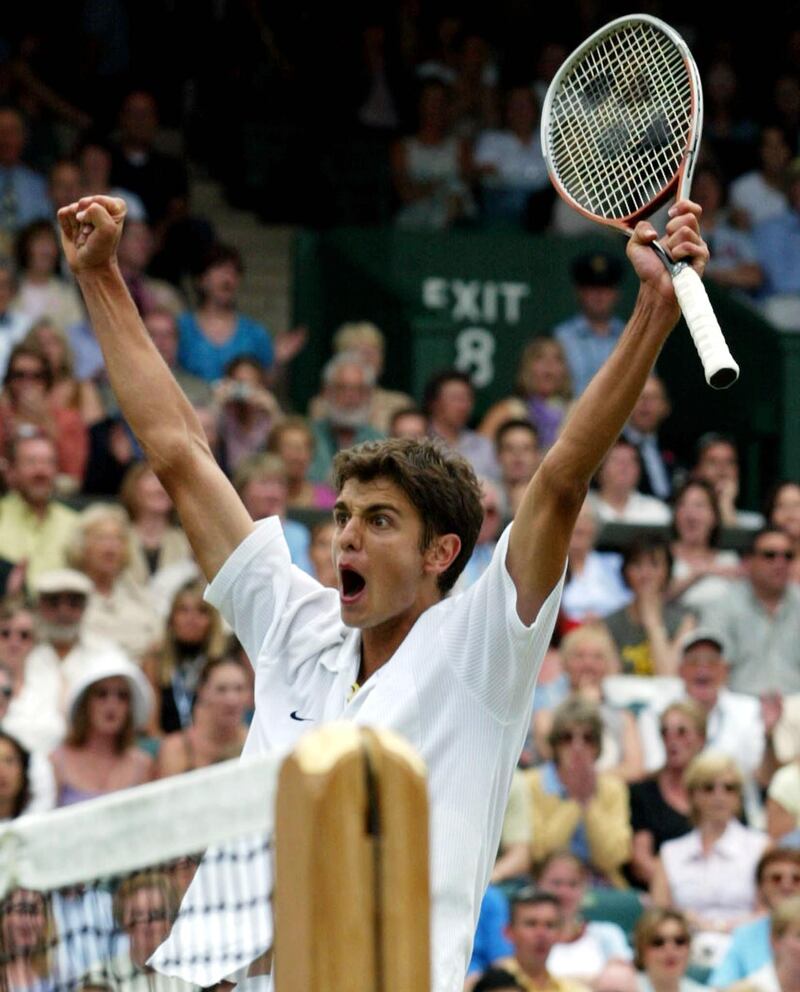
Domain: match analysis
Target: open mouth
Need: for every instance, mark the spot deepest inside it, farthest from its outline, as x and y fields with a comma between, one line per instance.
x=352, y=584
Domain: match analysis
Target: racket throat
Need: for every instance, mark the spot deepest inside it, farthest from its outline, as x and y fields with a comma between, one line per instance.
x=674, y=268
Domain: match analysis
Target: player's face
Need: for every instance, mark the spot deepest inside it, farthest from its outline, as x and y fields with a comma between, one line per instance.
x=376, y=550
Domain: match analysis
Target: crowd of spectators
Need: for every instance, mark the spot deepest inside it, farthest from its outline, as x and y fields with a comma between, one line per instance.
x=661, y=766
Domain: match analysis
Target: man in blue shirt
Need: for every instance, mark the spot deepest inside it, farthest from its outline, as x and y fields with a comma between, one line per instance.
x=589, y=337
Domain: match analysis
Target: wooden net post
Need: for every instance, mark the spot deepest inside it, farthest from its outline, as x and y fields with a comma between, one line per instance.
x=351, y=884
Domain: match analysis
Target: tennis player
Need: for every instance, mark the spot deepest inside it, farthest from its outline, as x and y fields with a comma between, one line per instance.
x=452, y=674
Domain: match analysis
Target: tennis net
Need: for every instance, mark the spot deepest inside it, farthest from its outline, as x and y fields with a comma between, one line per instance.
x=163, y=888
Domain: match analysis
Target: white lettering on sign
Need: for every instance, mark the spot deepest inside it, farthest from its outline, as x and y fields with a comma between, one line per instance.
x=475, y=300
x=474, y=355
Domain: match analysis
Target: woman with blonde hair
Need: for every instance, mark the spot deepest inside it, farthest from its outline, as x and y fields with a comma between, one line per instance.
x=588, y=655
x=193, y=637
x=67, y=392
x=27, y=940
x=662, y=946
x=118, y=609
x=156, y=542
x=543, y=392
x=709, y=874
x=106, y=706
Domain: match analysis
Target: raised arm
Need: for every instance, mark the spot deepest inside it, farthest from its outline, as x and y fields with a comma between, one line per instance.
x=151, y=401
x=542, y=527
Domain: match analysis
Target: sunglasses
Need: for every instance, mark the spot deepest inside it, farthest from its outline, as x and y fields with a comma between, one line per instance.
x=709, y=787
x=679, y=940
x=73, y=599
x=8, y=632
x=585, y=736
x=770, y=554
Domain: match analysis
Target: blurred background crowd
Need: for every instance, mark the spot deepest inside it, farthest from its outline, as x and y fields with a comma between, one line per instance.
x=661, y=775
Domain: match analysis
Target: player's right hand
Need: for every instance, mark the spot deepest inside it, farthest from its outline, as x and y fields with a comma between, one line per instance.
x=90, y=232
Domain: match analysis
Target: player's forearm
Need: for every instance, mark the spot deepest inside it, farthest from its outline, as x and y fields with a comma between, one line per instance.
x=149, y=398
x=602, y=411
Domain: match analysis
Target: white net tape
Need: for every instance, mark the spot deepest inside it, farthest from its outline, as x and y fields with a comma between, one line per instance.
x=621, y=121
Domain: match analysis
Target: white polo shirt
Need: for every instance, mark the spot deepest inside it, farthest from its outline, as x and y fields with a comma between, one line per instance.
x=459, y=689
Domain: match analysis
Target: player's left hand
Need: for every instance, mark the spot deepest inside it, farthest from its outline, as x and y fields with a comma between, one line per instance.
x=682, y=240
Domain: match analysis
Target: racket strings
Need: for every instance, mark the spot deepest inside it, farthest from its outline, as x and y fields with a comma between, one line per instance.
x=621, y=122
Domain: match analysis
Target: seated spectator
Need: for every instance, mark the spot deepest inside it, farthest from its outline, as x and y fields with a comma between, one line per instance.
x=94, y=161
x=216, y=333
x=717, y=462
x=428, y=167
x=733, y=263
x=28, y=938
x=701, y=573
x=67, y=391
x=617, y=499
x=15, y=787
x=660, y=803
x=662, y=941
x=17, y=638
x=783, y=512
x=594, y=586
x=649, y=413
x=759, y=619
x=759, y=195
x=584, y=948
x=247, y=411
x=542, y=395
x=574, y=806
x=293, y=440
x=24, y=192
x=13, y=324
x=261, y=484
x=736, y=723
x=38, y=779
x=777, y=245
x=34, y=528
x=518, y=455
x=193, y=637
x=347, y=386
x=135, y=252
x=41, y=292
x=783, y=801
x=28, y=407
x=648, y=630
x=409, y=422
x=107, y=703
x=156, y=542
x=514, y=855
x=709, y=874
x=509, y=163
x=590, y=336
x=145, y=907
x=364, y=338
x=490, y=943
x=534, y=929
x=782, y=972
x=321, y=554
x=449, y=401
x=118, y=608
x=587, y=657
x=778, y=879
x=487, y=536
x=217, y=730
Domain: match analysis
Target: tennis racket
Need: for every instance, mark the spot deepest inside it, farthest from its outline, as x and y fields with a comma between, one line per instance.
x=621, y=126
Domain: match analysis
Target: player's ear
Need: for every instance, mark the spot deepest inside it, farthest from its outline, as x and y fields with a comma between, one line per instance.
x=441, y=553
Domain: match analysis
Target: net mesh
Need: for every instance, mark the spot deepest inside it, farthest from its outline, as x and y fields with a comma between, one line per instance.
x=164, y=888
x=621, y=121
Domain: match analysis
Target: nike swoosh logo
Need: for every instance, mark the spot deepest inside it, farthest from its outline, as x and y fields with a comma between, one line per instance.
x=305, y=719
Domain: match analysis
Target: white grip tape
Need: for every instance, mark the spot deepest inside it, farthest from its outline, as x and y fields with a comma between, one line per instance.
x=704, y=328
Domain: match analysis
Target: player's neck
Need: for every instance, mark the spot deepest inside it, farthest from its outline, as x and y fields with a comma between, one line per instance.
x=378, y=644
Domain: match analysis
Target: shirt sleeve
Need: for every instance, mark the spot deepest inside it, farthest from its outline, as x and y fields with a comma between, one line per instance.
x=492, y=651
x=267, y=600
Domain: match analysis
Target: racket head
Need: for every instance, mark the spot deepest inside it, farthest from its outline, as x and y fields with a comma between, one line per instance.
x=622, y=121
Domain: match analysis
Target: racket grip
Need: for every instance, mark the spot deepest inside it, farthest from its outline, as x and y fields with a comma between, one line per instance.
x=719, y=366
